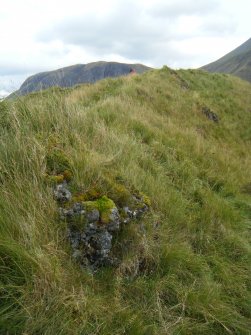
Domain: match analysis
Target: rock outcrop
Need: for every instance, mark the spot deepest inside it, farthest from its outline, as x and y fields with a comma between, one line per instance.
x=93, y=217
x=92, y=225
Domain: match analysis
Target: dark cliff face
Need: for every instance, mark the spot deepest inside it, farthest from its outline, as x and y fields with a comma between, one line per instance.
x=77, y=74
x=236, y=62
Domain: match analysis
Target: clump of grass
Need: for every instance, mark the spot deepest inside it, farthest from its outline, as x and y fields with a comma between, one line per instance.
x=185, y=268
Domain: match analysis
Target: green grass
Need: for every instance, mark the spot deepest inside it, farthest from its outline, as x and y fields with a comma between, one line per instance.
x=187, y=271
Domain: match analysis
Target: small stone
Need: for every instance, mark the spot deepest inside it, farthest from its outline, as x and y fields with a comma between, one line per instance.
x=114, y=220
x=61, y=193
x=92, y=216
x=128, y=212
x=210, y=114
x=74, y=238
x=77, y=207
x=101, y=244
x=102, y=241
x=91, y=228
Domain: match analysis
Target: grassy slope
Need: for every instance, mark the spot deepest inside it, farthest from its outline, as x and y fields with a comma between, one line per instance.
x=194, y=249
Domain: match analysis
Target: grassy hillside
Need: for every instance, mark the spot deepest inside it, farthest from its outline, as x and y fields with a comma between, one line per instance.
x=236, y=62
x=184, y=269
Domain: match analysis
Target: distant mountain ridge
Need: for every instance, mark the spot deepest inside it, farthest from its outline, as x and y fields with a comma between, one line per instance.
x=236, y=62
x=77, y=74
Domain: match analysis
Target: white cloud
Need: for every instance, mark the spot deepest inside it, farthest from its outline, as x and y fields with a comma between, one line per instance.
x=43, y=35
x=3, y=94
x=182, y=7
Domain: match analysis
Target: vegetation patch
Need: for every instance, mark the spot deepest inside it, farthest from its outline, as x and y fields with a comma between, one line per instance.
x=57, y=162
x=104, y=205
x=58, y=166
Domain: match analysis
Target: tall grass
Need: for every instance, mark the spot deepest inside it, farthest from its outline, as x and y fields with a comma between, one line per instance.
x=185, y=270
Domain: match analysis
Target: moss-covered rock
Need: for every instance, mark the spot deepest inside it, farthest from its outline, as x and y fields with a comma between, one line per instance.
x=95, y=215
x=104, y=205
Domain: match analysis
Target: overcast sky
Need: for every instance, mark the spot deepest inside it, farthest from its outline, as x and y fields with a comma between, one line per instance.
x=44, y=35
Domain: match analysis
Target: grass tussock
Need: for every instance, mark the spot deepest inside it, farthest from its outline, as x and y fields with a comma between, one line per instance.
x=186, y=269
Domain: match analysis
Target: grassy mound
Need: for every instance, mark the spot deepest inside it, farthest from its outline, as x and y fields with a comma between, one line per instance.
x=186, y=269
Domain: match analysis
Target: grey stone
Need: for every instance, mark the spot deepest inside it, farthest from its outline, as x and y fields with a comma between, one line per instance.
x=210, y=114
x=77, y=207
x=74, y=238
x=61, y=193
x=114, y=220
x=101, y=242
x=92, y=216
x=73, y=214
x=128, y=212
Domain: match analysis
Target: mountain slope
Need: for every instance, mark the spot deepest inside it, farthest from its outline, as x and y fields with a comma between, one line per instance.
x=180, y=137
x=77, y=74
x=237, y=62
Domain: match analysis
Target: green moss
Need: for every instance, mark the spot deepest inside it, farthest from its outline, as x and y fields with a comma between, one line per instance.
x=90, y=205
x=104, y=205
x=123, y=194
x=116, y=189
